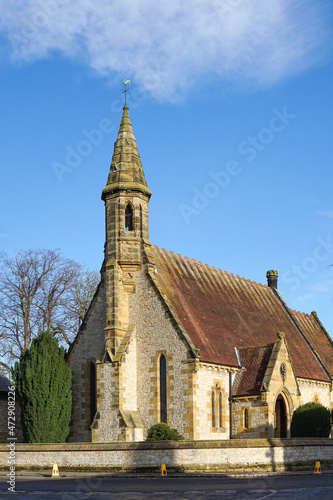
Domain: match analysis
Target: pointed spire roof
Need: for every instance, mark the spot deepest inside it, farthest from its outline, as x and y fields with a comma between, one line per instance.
x=126, y=170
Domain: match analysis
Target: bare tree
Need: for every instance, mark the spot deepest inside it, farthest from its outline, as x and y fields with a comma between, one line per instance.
x=84, y=286
x=40, y=290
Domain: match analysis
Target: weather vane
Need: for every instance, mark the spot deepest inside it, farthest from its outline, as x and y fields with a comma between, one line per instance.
x=126, y=82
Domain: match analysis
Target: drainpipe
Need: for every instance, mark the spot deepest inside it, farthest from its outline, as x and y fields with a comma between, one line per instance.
x=230, y=404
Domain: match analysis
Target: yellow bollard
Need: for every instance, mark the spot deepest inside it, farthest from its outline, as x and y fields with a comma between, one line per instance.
x=317, y=469
x=55, y=471
x=163, y=470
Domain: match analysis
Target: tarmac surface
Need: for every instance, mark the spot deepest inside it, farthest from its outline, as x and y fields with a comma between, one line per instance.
x=74, y=485
x=122, y=475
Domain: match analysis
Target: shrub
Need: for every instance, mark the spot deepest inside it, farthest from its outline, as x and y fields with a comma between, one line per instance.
x=162, y=432
x=43, y=385
x=311, y=420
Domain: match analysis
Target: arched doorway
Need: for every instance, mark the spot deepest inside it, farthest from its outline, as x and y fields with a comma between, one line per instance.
x=280, y=418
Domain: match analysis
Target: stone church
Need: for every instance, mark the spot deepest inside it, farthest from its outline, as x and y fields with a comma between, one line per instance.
x=169, y=339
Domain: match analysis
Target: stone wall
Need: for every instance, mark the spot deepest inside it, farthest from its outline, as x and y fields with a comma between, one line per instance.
x=200, y=456
x=106, y=426
x=156, y=335
x=257, y=418
x=89, y=346
x=212, y=378
x=311, y=390
x=129, y=378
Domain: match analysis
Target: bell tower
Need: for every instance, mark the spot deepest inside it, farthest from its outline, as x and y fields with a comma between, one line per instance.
x=126, y=196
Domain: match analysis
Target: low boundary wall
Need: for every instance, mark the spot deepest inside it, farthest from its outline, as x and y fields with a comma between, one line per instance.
x=236, y=455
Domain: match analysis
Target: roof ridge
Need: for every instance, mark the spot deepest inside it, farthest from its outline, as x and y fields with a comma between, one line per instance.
x=302, y=313
x=155, y=247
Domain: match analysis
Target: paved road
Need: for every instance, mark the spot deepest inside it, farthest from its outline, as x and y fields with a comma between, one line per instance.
x=177, y=488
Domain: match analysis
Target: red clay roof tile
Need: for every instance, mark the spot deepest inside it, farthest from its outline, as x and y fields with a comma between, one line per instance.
x=317, y=337
x=220, y=311
x=254, y=362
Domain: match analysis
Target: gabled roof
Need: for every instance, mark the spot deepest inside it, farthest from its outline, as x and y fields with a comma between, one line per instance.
x=254, y=362
x=220, y=311
x=317, y=336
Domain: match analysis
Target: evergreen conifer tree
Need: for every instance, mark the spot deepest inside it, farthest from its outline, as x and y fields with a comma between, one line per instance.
x=43, y=387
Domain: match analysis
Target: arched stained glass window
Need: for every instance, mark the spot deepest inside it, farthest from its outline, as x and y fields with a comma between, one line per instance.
x=163, y=390
x=93, y=406
x=129, y=218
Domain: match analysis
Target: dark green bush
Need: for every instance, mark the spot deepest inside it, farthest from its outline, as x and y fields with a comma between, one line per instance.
x=311, y=420
x=43, y=386
x=162, y=432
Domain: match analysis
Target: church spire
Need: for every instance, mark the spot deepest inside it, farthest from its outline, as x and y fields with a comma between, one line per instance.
x=126, y=172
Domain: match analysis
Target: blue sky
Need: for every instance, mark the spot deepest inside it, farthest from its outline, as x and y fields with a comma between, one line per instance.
x=231, y=105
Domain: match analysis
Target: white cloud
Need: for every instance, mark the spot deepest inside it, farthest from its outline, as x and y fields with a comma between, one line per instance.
x=168, y=46
x=326, y=213
x=326, y=286
x=323, y=287
x=305, y=297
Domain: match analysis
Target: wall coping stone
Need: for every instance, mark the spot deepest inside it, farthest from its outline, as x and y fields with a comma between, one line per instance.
x=169, y=445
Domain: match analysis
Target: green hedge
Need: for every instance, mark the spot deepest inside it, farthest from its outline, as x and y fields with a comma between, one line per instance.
x=162, y=432
x=311, y=420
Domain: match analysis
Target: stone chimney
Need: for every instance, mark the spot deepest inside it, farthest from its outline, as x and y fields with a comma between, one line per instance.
x=272, y=278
